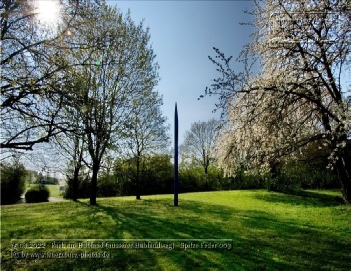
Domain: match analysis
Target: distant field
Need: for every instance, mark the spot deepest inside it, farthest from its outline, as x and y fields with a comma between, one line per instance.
x=269, y=231
x=54, y=190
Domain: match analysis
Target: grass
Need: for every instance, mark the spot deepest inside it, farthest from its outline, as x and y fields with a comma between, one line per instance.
x=269, y=231
x=54, y=191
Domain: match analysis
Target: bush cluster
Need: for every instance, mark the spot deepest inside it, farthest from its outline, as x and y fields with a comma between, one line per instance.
x=303, y=175
x=83, y=188
x=37, y=194
x=12, y=183
x=156, y=177
x=50, y=180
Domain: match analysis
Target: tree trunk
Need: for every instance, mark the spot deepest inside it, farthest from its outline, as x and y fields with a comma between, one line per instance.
x=272, y=184
x=78, y=150
x=344, y=178
x=206, y=161
x=93, y=186
x=342, y=163
x=75, y=184
x=138, y=178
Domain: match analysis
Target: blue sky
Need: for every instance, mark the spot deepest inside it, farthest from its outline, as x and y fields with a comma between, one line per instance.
x=183, y=34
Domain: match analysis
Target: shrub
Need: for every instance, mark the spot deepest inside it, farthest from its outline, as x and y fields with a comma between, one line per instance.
x=12, y=183
x=37, y=194
x=107, y=186
x=83, y=188
x=50, y=180
x=156, y=176
x=303, y=174
x=191, y=179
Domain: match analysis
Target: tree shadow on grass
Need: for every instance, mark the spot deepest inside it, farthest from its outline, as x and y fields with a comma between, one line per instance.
x=191, y=221
x=300, y=197
x=303, y=246
x=260, y=241
x=277, y=244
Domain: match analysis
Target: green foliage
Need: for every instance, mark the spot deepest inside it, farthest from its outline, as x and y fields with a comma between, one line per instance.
x=38, y=193
x=124, y=172
x=12, y=183
x=156, y=175
x=191, y=179
x=294, y=176
x=308, y=171
x=244, y=180
x=83, y=187
x=309, y=175
x=107, y=186
x=41, y=179
x=156, y=178
x=124, y=70
x=50, y=180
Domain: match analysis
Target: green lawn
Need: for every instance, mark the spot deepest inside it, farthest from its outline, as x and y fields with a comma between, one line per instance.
x=54, y=191
x=269, y=231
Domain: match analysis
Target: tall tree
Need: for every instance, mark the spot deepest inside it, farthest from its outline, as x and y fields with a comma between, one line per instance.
x=72, y=147
x=199, y=142
x=147, y=131
x=297, y=98
x=114, y=64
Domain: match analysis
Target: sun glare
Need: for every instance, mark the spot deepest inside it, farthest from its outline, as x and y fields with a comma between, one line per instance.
x=47, y=10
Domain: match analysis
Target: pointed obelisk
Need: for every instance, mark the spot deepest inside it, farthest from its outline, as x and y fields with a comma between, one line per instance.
x=176, y=156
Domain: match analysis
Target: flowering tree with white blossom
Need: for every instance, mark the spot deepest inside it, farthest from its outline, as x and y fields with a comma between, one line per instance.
x=298, y=97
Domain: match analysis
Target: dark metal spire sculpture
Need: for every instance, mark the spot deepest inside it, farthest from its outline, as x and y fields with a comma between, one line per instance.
x=176, y=156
